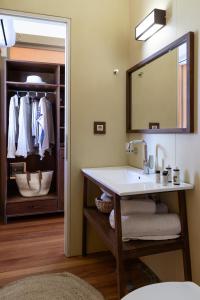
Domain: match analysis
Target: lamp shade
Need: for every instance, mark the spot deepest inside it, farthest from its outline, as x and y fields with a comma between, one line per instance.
x=7, y=32
x=150, y=25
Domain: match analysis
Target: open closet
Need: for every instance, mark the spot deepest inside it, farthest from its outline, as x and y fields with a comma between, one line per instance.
x=16, y=82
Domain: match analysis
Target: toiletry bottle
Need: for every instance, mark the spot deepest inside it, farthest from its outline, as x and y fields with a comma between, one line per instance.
x=157, y=176
x=176, y=176
x=164, y=177
x=151, y=161
x=146, y=167
x=169, y=170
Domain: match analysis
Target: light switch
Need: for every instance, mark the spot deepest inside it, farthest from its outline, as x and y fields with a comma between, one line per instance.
x=99, y=127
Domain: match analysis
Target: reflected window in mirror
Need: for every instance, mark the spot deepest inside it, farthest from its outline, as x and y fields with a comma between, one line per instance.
x=182, y=87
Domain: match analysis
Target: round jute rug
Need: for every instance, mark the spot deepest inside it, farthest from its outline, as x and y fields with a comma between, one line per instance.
x=60, y=286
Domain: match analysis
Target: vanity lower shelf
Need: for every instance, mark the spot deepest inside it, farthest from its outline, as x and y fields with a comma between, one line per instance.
x=132, y=249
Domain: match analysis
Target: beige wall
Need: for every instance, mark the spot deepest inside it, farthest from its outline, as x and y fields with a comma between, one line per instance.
x=99, y=44
x=182, y=150
x=150, y=104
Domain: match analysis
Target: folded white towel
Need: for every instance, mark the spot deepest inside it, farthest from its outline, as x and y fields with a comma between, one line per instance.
x=105, y=197
x=158, y=237
x=139, y=206
x=152, y=238
x=153, y=226
x=161, y=208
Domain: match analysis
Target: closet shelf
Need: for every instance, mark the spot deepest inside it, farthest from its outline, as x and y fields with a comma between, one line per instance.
x=132, y=249
x=32, y=66
x=18, y=198
x=30, y=86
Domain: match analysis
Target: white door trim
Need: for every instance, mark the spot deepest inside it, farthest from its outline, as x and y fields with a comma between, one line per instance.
x=67, y=185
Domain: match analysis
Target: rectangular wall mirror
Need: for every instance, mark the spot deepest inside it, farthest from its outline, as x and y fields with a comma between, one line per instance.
x=160, y=90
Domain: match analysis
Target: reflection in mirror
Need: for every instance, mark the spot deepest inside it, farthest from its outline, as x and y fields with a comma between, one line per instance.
x=160, y=90
x=182, y=87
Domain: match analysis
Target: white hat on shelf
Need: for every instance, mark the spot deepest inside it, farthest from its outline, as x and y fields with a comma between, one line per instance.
x=34, y=79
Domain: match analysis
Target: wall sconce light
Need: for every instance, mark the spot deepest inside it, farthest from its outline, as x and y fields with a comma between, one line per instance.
x=150, y=25
x=7, y=32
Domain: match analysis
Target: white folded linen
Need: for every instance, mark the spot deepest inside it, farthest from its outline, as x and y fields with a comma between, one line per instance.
x=148, y=226
x=161, y=208
x=105, y=197
x=139, y=206
x=152, y=238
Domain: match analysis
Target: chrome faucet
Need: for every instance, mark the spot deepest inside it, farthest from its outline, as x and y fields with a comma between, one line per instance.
x=146, y=164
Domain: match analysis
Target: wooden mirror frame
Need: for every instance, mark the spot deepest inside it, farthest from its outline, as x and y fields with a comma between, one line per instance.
x=189, y=40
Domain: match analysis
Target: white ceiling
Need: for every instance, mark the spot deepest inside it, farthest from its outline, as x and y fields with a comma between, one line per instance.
x=39, y=27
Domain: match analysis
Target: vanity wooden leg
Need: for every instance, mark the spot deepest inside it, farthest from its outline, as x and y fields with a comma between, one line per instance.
x=184, y=226
x=5, y=220
x=84, y=232
x=118, y=241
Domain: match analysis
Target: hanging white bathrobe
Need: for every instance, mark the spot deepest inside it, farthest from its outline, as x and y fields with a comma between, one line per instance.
x=24, y=146
x=13, y=128
x=35, y=127
x=50, y=123
x=43, y=127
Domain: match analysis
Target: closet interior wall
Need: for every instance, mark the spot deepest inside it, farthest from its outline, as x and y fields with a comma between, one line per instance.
x=14, y=75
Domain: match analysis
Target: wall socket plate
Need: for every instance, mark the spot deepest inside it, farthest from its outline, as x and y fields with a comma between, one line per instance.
x=133, y=149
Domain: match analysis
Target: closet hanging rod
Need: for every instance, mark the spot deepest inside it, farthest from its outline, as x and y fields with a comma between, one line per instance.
x=39, y=92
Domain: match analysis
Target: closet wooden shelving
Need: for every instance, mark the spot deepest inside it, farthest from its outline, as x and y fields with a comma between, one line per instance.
x=32, y=86
x=14, y=77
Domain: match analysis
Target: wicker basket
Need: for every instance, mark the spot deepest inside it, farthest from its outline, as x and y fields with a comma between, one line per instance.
x=104, y=206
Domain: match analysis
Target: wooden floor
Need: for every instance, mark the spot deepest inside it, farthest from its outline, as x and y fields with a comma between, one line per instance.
x=33, y=246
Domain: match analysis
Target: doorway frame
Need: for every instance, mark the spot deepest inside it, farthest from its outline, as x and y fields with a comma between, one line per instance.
x=67, y=156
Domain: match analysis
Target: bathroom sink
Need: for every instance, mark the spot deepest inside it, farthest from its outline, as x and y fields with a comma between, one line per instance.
x=122, y=175
x=126, y=180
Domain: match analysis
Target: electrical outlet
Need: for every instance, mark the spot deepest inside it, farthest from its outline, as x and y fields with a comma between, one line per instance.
x=127, y=147
x=132, y=150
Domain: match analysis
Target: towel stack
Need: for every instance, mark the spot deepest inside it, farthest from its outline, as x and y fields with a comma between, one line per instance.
x=143, y=219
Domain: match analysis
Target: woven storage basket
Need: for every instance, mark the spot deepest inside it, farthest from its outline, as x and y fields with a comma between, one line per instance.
x=104, y=206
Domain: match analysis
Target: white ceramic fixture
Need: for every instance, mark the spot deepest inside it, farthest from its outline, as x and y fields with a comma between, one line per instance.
x=7, y=32
x=166, y=291
x=126, y=180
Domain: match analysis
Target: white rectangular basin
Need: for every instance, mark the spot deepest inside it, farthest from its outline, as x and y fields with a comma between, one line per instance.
x=118, y=175
x=127, y=180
